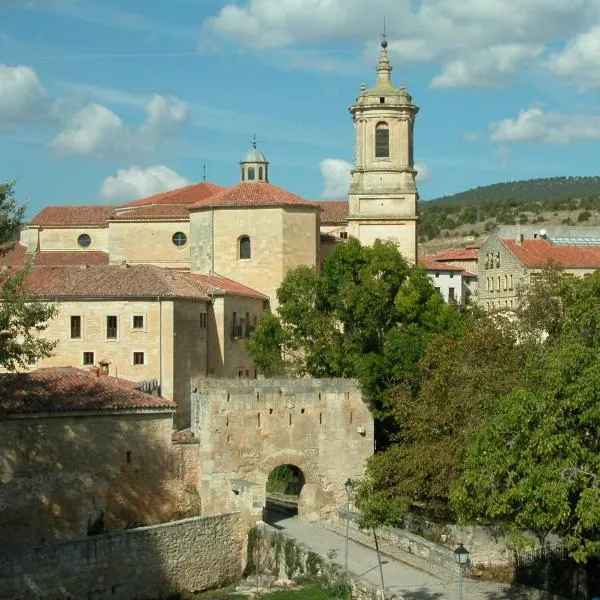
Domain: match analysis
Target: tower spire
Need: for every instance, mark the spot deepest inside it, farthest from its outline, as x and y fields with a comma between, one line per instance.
x=384, y=68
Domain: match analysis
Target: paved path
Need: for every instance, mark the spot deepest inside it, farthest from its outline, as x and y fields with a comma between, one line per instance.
x=400, y=578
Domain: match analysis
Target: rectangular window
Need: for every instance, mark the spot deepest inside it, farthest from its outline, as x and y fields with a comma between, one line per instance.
x=75, y=327
x=344, y=235
x=138, y=358
x=88, y=358
x=234, y=325
x=451, y=275
x=138, y=321
x=202, y=325
x=111, y=327
x=451, y=296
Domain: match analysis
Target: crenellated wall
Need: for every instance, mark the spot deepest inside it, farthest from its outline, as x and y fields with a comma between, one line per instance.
x=247, y=428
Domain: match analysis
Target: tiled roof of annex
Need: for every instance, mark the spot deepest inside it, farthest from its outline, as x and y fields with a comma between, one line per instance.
x=155, y=212
x=253, y=194
x=17, y=254
x=73, y=216
x=430, y=263
x=68, y=389
x=538, y=253
x=184, y=196
x=458, y=254
x=129, y=281
x=334, y=211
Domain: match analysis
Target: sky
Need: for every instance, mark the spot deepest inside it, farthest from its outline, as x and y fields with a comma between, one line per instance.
x=105, y=101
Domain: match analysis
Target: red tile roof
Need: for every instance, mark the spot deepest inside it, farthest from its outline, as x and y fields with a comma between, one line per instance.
x=430, y=263
x=458, y=254
x=215, y=284
x=67, y=389
x=539, y=253
x=64, y=259
x=73, y=216
x=185, y=195
x=129, y=281
x=110, y=281
x=157, y=212
x=253, y=194
x=334, y=211
x=12, y=254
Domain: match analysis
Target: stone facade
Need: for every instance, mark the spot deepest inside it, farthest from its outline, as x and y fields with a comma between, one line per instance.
x=62, y=474
x=247, y=428
x=149, y=562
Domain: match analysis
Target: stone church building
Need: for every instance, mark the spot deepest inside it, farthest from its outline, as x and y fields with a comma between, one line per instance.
x=166, y=289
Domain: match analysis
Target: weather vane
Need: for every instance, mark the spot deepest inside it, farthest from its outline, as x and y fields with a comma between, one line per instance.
x=384, y=36
x=254, y=140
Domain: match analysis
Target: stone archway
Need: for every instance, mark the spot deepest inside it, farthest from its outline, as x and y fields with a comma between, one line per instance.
x=310, y=499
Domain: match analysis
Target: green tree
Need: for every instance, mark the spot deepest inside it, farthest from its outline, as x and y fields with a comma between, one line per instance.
x=21, y=321
x=366, y=315
x=535, y=461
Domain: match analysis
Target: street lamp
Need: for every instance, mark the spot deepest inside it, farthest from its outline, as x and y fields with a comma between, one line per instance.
x=461, y=556
x=349, y=485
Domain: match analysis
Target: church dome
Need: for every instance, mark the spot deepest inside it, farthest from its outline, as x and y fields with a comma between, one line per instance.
x=254, y=156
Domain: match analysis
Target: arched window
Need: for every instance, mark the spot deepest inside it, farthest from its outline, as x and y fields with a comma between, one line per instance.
x=251, y=173
x=260, y=173
x=243, y=174
x=245, y=250
x=382, y=140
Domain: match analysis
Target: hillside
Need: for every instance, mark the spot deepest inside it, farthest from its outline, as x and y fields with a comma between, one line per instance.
x=556, y=200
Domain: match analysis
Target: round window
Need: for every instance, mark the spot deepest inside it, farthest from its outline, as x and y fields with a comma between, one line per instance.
x=84, y=240
x=179, y=239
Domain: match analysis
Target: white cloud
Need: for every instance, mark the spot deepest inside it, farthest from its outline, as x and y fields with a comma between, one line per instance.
x=22, y=97
x=135, y=182
x=336, y=176
x=486, y=67
x=423, y=172
x=97, y=131
x=535, y=125
x=494, y=37
x=580, y=59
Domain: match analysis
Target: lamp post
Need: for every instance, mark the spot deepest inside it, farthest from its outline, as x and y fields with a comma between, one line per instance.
x=461, y=556
x=349, y=485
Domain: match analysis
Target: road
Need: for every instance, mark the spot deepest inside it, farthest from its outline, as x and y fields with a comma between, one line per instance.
x=402, y=579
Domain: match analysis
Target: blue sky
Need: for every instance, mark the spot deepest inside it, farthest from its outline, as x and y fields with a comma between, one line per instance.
x=105, y=100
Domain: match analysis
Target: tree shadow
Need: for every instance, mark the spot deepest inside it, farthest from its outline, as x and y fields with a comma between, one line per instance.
x=422, y=594
x=85, y=473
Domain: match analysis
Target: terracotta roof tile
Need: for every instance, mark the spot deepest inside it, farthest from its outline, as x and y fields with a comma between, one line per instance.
x=110, y=281
x=431, y=264
x=58, y=259
x=12, y=254
x=539, y=253
x=215, y=284
x=334, y=211
x=67, y=389
x=253, y=194
x=157, y=212
x=185, y=195
x=73, y=216
x=458, y=254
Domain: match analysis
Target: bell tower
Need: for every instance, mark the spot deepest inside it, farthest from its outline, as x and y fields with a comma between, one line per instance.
x=383, y=195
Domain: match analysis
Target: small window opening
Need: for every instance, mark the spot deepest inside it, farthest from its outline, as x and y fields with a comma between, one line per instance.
x=270, y=411
x=381, y=100
x=88, y=358
x=320, y=418
x=301, y=411
x=251, y=173
x=76, y=327
x=260, y=173
x=128, y=456
x=138, y=321
x=382, y=140
x=227, y=421
x=111, y=327
x=258, y=419
x=138, y=358
x=350, y=417
x=290, y=418
x=245, y=248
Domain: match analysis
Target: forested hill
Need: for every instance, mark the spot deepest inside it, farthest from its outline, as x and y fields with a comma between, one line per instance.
x=528, y=189
x=564, y=200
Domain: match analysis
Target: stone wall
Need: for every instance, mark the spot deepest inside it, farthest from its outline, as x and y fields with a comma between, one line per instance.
x=150, y=562
x=247, y=428
x=63, y=475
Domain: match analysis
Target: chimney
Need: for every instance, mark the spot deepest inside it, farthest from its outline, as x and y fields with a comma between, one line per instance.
x=94, y=372
x=103, y=368
x=519, y=236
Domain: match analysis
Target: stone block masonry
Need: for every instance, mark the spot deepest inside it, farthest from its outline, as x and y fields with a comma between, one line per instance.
x=149, y=562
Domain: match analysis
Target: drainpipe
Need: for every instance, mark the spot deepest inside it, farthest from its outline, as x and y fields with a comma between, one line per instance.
x=212, y=237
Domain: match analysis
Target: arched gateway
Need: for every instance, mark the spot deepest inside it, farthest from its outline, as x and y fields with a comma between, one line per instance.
x=247, y=428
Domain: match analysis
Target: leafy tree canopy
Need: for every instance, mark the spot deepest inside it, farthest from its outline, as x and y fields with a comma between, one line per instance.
x=367, y=314
x=21, y=321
